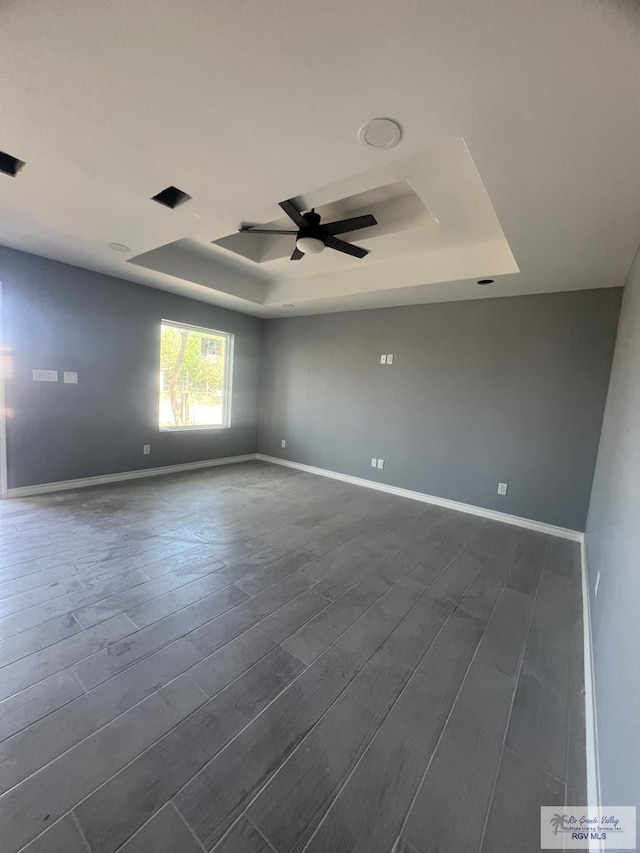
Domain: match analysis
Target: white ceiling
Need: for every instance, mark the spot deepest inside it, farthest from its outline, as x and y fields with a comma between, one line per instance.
x=521, y=140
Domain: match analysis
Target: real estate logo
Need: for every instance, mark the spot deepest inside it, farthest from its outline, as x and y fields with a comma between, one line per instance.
x=576, y=827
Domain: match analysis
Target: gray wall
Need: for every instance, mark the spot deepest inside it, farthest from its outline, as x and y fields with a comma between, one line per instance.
x=66, y=318
x=613, y=549
x=509, y=390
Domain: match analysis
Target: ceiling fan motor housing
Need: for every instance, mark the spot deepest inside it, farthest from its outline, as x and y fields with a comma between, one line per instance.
x=311, y=238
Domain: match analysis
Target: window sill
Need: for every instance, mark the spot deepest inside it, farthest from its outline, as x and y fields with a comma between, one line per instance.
x=195, y=428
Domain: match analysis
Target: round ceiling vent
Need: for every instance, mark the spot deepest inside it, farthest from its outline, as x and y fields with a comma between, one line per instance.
x=380, y=133
x=118, y=247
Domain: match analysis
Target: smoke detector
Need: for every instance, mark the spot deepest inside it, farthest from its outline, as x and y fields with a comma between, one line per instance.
x=380, y=133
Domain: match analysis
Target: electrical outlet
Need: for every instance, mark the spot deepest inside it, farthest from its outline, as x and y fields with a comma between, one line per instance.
x=283, y=443
x=502, y=488
x=380, y=463
x=146, y=449
x=374, y=462
x=383, y=359
x=389, y=358
x=597, y=586
x=70, y=377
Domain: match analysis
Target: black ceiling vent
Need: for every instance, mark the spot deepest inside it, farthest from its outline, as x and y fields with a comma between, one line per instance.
x=10, y=165
x=171, y=197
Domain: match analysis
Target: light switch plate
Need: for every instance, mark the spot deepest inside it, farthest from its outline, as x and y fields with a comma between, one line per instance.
x=389, y=358
x=383, y=359
x=44, y=375
x=502, y=488
x=70, y=377
x=380, y=463
x=283, y=443
x=374, y=462
x=146, y=449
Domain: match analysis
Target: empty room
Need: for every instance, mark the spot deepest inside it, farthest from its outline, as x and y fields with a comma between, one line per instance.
x=319, y=426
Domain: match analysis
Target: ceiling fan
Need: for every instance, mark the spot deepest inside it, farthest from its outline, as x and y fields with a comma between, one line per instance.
x=312, y=237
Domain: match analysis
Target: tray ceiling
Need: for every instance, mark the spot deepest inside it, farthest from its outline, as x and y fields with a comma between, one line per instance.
x=518, y=161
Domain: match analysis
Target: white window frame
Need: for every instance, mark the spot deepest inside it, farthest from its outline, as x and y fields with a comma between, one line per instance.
x=228, y=378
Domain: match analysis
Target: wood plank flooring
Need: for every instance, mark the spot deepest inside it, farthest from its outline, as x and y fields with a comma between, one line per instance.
x=251, y=659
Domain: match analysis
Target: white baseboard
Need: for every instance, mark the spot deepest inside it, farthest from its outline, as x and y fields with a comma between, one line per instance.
x=591, y=719
x=104, y=479
x=530, y=524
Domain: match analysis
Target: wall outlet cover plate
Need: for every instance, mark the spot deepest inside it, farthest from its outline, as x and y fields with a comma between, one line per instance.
x=39, y=375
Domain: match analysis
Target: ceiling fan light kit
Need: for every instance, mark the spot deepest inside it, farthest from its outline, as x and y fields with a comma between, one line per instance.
x=310, y=245
x=312, y=237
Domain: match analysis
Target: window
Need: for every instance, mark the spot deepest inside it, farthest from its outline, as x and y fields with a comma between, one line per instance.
x=195, y=377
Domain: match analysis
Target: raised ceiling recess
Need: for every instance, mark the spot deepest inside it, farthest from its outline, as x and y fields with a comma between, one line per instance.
x=434, y=223
x=519, y=143
x=395, y=207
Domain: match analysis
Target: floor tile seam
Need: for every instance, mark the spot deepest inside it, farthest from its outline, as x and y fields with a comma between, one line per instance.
x=30, y=549
x=170, y=571
x=8, y=578
x=37, y=569
x=185, y=822
x=260, y=833
x=5, y=738
x=23, y=654
x=135, y=630
x=513, y=698
x=412, y=672
x=260, y=714
x=448, y=717
x=146, y=538
x=386, y=536
x=250, y=627
x=456, y=603
x=38, y=603
x=125, y=610
x=424, y=595
x=525, y=760
x=184, y=607
x=244, y=811
x=364, y=613
x=421, y=598
x=105, y=579
x=97, y=731
x=81, y=566
x=51, y=674
x=57, y=821
x=45, y=583
x=122, y=567
x=279, y=580
x=143, y=752
x=361, y=758
x=76, y=823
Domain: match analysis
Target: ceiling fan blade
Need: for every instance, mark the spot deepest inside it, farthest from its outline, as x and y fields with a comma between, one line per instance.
x=264, y=231
x=347, y=248
x=293, y=213
x=297, y=254
x=353, y=224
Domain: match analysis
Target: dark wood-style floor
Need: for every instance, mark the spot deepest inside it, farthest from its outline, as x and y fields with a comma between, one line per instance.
x=251, y=659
